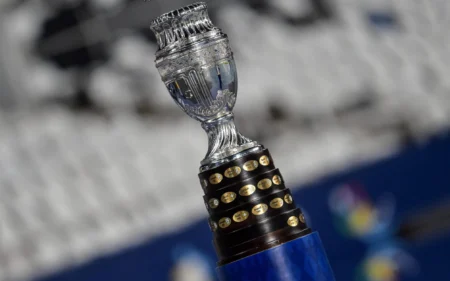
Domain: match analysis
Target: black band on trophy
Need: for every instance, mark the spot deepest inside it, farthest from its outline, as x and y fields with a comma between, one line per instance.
x=230, y=254
x=277, y=230
x=245, y=191
x=260, y=228
x=256, y=211
x=236, y=171
x=250, y=207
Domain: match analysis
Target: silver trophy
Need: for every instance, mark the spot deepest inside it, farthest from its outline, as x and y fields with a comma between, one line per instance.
x=197, y=66
x=255, y=222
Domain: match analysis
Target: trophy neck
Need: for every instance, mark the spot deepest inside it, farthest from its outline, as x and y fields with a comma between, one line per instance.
x=225, y=142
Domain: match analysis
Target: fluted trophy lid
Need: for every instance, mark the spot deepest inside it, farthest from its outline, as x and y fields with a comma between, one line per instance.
x=196, y=64
x=183, y=27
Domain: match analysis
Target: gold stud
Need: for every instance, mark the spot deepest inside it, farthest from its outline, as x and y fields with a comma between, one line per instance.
x=276, y=179
x=224, y=222
x=292, y=221
x=215, y=178
x=213, y=203
x=247, y=190
x=302, y=218
x=288, y=198
x=228, y=197
x=213, y=225
x=250, y=165
x=276, y=203
x=264, y=160
x=232, y=172
x=264, y=184
x=259, y=209
x=240, y=216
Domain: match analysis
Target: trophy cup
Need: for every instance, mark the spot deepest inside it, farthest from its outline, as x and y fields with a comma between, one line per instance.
x=259, y=233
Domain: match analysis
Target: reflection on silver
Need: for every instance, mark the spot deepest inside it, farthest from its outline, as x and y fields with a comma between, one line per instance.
x=196, y=64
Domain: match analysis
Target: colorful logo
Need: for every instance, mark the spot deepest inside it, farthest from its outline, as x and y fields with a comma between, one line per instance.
x=390, y=263
x=356, y=216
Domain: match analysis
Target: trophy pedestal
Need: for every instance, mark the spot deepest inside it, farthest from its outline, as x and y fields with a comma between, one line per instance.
x=259, y=232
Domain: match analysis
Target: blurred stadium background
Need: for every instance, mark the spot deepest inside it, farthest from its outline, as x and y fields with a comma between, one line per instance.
x=97, y=162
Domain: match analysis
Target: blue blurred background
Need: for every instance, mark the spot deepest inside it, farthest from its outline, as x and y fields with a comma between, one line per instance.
x=98, y=166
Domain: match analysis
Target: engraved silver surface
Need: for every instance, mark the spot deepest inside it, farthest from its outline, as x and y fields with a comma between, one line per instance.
x=196, y=64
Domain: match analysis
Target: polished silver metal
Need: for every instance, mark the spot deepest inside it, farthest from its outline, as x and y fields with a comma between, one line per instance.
x=196, y=64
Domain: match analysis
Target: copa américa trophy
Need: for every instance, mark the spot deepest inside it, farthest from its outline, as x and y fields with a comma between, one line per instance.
x=259, y=232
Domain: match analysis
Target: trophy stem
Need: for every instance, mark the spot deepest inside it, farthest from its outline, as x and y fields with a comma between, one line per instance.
x=224, y=139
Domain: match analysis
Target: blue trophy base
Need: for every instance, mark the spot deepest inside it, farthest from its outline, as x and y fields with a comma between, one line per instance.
x=302, y=259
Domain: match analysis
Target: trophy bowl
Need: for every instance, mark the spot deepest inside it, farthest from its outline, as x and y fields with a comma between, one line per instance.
x=196, y=63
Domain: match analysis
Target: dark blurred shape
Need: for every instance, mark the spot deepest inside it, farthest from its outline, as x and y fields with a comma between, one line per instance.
x=148, y=34
x=320, y=10
x=65, y=18
x=277, y=112
x=258, y=5
x=365, y=101
x=68, y=17
x=383, y=19
x=428, y=223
